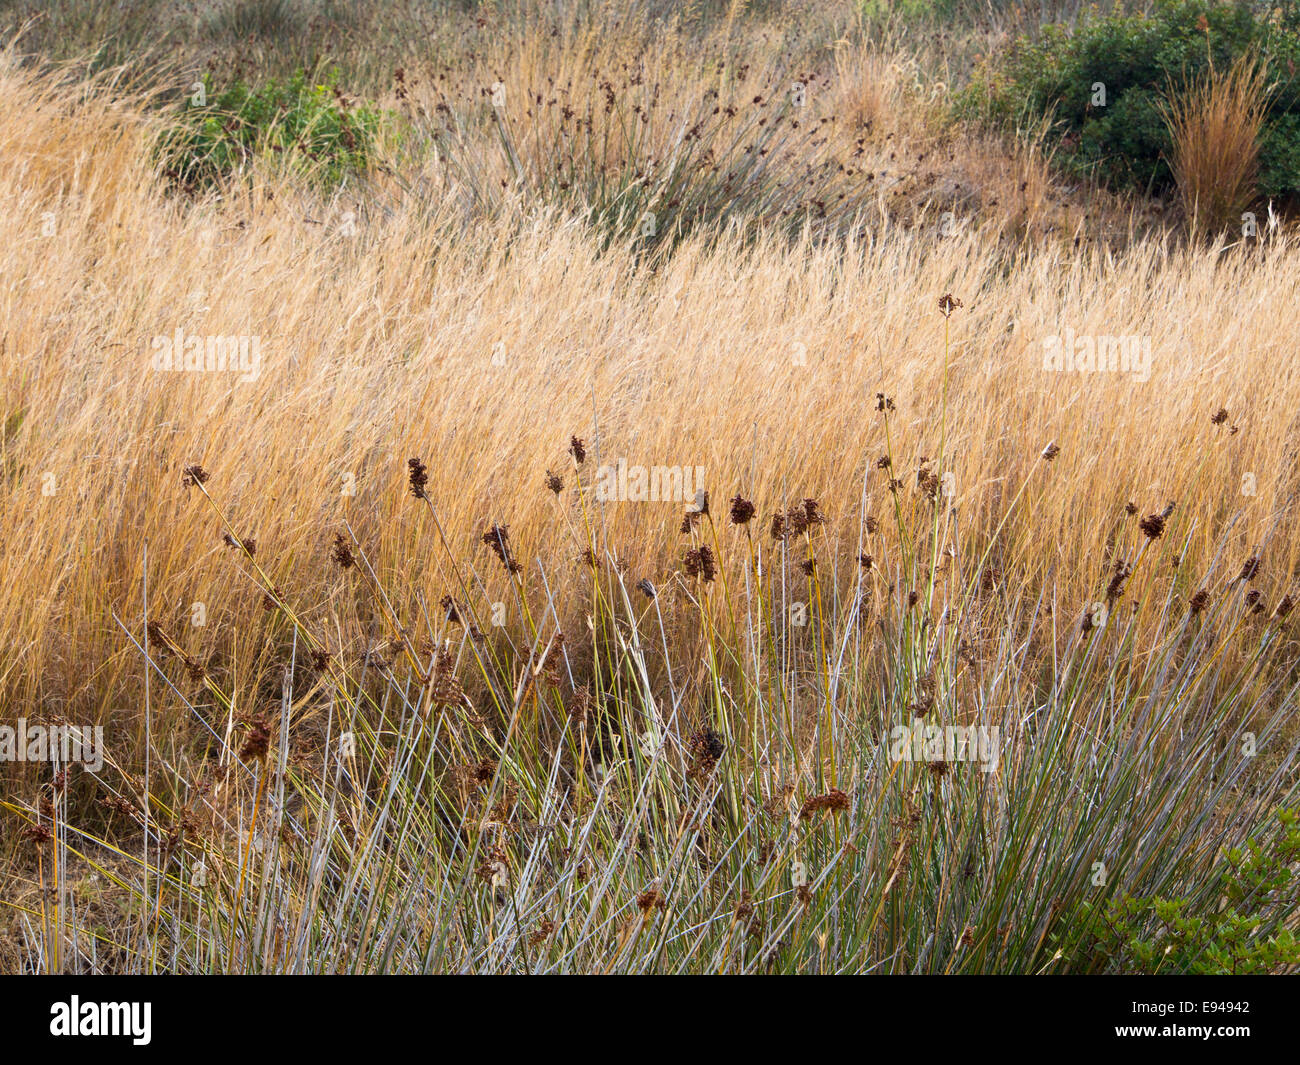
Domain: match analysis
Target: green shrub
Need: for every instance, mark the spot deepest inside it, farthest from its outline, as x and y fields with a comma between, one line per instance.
x=1138, y=58
x=310, y=125
x=1232, y=930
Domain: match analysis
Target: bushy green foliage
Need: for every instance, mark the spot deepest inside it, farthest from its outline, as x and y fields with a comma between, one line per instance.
x=310, y=124
x=1138, y=59
x=1233, y=930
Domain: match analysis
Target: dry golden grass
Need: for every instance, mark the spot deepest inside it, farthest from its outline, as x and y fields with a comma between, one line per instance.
x=411, y=318
x=1215, y=128
x=381, y=346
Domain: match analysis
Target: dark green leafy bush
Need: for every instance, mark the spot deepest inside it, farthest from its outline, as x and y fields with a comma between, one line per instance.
x=311, y=125
x=1138, y=59
x=1234, y=929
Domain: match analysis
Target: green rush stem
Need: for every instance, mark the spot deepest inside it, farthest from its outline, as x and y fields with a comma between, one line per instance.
x=243, y=865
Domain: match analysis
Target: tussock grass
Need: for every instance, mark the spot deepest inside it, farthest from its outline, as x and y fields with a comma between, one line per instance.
x=1214, y=125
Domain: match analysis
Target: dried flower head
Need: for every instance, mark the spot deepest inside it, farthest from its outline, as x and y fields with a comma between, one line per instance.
x=928, y=481
x=745, y=906
x=342, y=552
x=578, y=450
x=247, y=543
x=948, y=303
x=706, y=746
x=742, y=510
x=834, y=801
x=258, y=743
x=195, y=669
x=1130, y=508
x=194, y=475
x=444, y=689
x=990, y=578
x=1153, y=525
x=883, y=403
x=1121, y=573
x=1051, y=451
x=699, y=562
x=651, y=899
x=448, y=605
x=1284, y=607
x=495, y=872
x=1249, y=569
x=645, y=588
x=1199, y=601
x=418, y=475
x=554, y=483
x=498, y=539
x=1219, y=416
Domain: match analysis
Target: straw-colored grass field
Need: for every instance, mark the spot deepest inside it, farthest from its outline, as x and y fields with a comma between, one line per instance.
x=696, y=781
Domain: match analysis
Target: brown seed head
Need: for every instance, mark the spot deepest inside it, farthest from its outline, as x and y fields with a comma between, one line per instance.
x=742, y=510
x=1153, y=525
x=342, y=552
x=247, y=543
x=498, y=539
x=258, y=743
x=448, y=605
x=418, y=476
